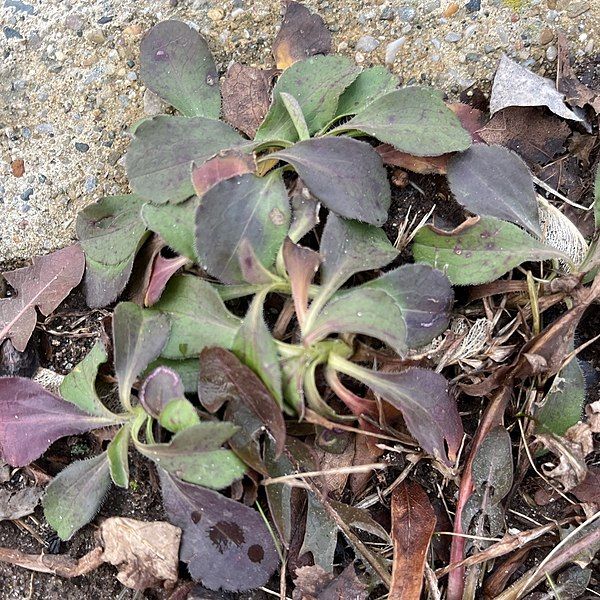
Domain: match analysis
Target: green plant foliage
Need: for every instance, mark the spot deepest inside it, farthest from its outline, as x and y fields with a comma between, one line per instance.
x=117, y=455
x=480, y=250
x=178, y=414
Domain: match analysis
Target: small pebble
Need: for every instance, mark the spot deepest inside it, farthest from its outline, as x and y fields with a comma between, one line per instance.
x=153, y=105
x=407, y=14
x=18, y=167
x=589, y=47
x=132, y=76
x=74, y=22
x=551, y=53
x=104, y=20
x=387, y=14
x=81, y=146
x=452, y=9
x=135, y=29
x=95, y=36
x=19, y=6
x=576, y=9
x=215, y=14
x=392, y=49
x=431, y=5
x=473, y=5
x=90, y=184
x=367, y=43
x=27, y=194
x=546, y=36
x=453, y=37
x=11, y=33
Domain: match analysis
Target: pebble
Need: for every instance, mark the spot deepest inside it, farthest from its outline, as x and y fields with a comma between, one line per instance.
x=546, y=36
x=95, y=36
x=469, y=31
x=431, y=5
x=74, y=22
x=18, y=167
x=134, y=29
x=82, y=146
x=153, y=105
x=215, y=14
x=392, y=49
x=473, y=5
x=90, y=184
x=551, y=53
x=11, y=33
x=452, y=9
x=19, y=6
x=387, y=14
x=367, y=43
x=407, y=14
x=453, y=37
x=104, y=20
x=576, y=9
x=44, y=128
x=589, y=47
x=27, y=194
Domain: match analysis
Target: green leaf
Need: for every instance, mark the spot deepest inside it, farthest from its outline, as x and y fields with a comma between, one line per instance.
x=564, y=403
x=186, y=369
x=198, y=317
x=160, y=157
x=480, y=250
x=138, y=338
x=76, y=494
x=176, y=64
x=414, y=120
x=346, y=175
x=175, y=225
x=367, y=87
x=118, y=461
x=194, y=455
x=79, y=388
x=245, y=207
x=178, y=414
x=295, y=111
x=316, y=83
x=321, y=534
x=255, y=347
x=111, y=232
x=493, y=181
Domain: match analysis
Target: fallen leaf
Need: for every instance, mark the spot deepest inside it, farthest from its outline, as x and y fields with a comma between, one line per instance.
x=44, y=284
x=515, y=85
x=314, y=583
x=302, y=34
x=589, y=489
x=426, y=165
x=146, y=553
x=413, y=524
x=246, y=97
x=18, y=364
x=20, y=503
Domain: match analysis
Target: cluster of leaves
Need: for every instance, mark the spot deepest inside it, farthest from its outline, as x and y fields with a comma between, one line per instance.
x=224, y=223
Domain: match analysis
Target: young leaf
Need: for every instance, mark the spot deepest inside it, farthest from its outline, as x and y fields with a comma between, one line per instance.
x=413, y=524
x=79, y=388
x=111, y=232
x=118, y=461
x=414, y=120
x=175, y=225
x=159, y=388
x=302, y=34
x=176, y=64
x=422, y=397
x=305, y=212
x=494, y=182
x=367, y=87
x=218, y=534
x=244, y=207
x=223, y=378
x=346, y=175
x=44, y=284
x=138, y=338
x=255, y=347
x=195, y=455
x=162, y=271
x=224, y=165
x=316, y=83
x=163, y=149
x=178, y=414
x=321, y=534
x=479, y=250
x=76, y=494
x=32, y=418
x=187, y=370
x=198, y=317
x=295, y=111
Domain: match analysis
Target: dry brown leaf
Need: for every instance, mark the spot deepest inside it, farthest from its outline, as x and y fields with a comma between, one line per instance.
x=413, y=524
x=146, y=553
x=302, y=34
x=314, y=583
x=14, y=505
x=246, y=95
x=328, y=461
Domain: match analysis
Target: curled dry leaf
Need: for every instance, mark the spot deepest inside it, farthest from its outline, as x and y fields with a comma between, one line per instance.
x=17, y=504
x=302, y=34
x=314, y=583
x=44, y=284
x=146, y=553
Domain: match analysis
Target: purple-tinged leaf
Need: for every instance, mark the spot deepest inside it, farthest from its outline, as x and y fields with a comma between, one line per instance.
x=305, y=212
x=255, y=347
x=162, y=270
x=495, y=182
x=177, y=64
x=346, y=175
x=138, y=338
x=44, y=284
x=301, y=264
x=225, y=544
x=244, y=207
x=76, y=494
x=163, y=149
x=223, y=378
x=195, y=455
x=31, y=419
x=252, y=269
x=111, y=232
x=158, y=389
x=225, y=165
x=422, y=397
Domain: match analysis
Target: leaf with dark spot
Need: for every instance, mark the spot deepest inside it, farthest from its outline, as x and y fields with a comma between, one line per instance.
x=176, y=64
x=44, y=284
x=493, y=181
x=346, y=175
x=244, y=207
x=225, y=544
x=31, y=418
x=225, y=165
x=302, y=34
x=246, y=97
x=163, y=149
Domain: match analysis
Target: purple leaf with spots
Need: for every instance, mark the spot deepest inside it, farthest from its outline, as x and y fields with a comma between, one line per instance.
x=31, y=418
x=225, y=544
x=177, y=64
